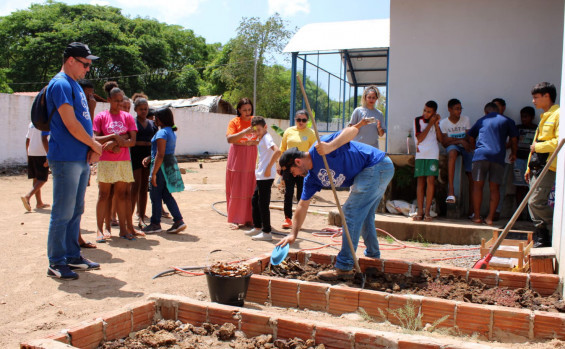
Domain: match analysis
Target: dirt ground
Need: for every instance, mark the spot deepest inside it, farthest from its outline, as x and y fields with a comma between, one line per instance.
x=33, y=305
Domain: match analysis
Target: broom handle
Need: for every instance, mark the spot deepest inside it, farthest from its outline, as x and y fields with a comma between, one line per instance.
x=330, y=176
x=526, y=198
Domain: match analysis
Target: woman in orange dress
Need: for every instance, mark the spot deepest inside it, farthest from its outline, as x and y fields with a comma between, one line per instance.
x=240, y=171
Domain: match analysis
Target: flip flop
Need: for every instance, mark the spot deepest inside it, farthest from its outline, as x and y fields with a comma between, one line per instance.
x=43, y=206
x=88, y=244
x=100, y=240
x=417, y=218
x=139, y=233
x=428, y=218
x=234, y=226
x=450, y=199
x=128, y=237
x=26, y=203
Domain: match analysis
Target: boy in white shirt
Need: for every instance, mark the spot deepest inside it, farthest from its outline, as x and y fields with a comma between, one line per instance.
x=265, y=173
x=427, y=135
x=454, y=130
x=37, y=167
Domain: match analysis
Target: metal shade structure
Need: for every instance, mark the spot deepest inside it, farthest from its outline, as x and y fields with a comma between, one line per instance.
x=363, y=47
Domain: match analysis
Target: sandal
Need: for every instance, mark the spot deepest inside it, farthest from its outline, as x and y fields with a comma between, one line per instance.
x=128, y=237
x=115, y=223
x=138, y=233
x=100, y=238
x=417, y=218
x=450, y=199
x=234, y=226
x=477, y=221
x=88, y=244
x=428, y=218
x=107, y=235
x=165, y=214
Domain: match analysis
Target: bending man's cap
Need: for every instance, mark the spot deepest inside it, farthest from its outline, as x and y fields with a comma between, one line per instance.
x=78, y=49
x=287, y=159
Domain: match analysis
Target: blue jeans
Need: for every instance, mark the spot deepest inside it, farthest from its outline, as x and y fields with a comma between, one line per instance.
x=69, y=186
x=161, y=193
x=366, y=193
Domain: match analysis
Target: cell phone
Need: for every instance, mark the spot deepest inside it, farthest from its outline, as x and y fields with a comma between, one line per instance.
x=371, y=120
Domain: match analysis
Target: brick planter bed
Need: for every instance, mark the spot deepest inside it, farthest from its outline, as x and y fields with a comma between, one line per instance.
x=489, y=321
x=119, y=324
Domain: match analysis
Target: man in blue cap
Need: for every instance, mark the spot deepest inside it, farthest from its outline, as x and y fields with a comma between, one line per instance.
x=71, y=148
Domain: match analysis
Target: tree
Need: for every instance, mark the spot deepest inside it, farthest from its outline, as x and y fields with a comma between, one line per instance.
x=253, y=47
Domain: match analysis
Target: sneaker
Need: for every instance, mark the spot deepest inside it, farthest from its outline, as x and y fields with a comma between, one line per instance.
x=253, y=232
x=336, y=274
x=61, y=271
x=82, y=263
x=152, y=229
x=287, y=223
x=263, y=237
x=177, y=227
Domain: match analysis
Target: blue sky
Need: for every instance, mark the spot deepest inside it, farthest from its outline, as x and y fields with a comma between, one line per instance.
x=217, y=20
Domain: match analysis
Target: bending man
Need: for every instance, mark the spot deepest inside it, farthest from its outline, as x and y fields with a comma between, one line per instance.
x=364, y=168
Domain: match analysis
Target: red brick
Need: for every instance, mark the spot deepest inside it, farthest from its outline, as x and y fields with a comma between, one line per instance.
x=343, y=300
x=255, y=265
x=365, y=262
x=418, y=267
x=399, y=301
x=143, y=315
x=322, y=258
x=293, y=256
x=365, y=339
x=434, y=309
x=396, y=266
x=513, y=321
x=258, y=290
x=220, y=314
x=333, y=337
x=192, y=313
x=313, y=295
x=255, y=324
x=284, y=293
x=302, y=257
x=415, y=345
x=473, y=318
x=488, y=277
x=118, y=325
x=87, y=335
x=168, y=311
x=265, y=260
x=372, y=301
x=512, y=280
x=288, y=328
x=446, y=271
x=549, y=325
x=59, y=337
x=544, y=284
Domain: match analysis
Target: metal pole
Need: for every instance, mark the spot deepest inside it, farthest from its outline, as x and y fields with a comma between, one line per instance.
x=304, y=77
x=293, y=88
x=344, y=81
x=255, y=82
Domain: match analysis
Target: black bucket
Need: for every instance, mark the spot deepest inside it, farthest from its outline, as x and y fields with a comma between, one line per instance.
x=229, y=290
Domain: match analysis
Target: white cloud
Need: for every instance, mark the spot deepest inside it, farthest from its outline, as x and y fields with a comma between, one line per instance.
x=9, y=6
x=100, y=2
x=289, y=7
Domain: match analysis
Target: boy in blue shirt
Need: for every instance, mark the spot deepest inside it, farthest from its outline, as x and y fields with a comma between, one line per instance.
x=364, y=168
x=490, y=133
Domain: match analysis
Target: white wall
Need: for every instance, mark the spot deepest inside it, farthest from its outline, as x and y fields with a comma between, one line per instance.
x=198, y=132
x=470, y=50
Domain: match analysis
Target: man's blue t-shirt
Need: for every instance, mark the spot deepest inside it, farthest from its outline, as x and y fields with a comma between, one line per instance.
x=491, y=132
x=168, y=135
x=345, y=163
x=63, y=146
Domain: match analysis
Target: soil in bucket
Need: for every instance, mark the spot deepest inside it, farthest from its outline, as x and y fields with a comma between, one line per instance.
x=228, y=283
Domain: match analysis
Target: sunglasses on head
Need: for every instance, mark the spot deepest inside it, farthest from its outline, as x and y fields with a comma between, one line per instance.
x=301, y=120
x=84, y=64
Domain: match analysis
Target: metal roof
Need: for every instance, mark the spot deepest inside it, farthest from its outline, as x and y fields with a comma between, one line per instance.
x=362, y=45
x=334, y=36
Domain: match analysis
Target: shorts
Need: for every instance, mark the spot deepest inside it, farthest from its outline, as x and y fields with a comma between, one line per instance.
x=114, y=171
x=520, y=166
x=467, y=156
x=35, y=168
x=494, y=170
x=426, y=167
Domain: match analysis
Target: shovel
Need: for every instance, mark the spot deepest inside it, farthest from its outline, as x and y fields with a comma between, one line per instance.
x=483, y=262
x=359, y=274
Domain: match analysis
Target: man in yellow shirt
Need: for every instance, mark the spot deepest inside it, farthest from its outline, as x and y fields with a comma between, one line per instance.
x=545, y=143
